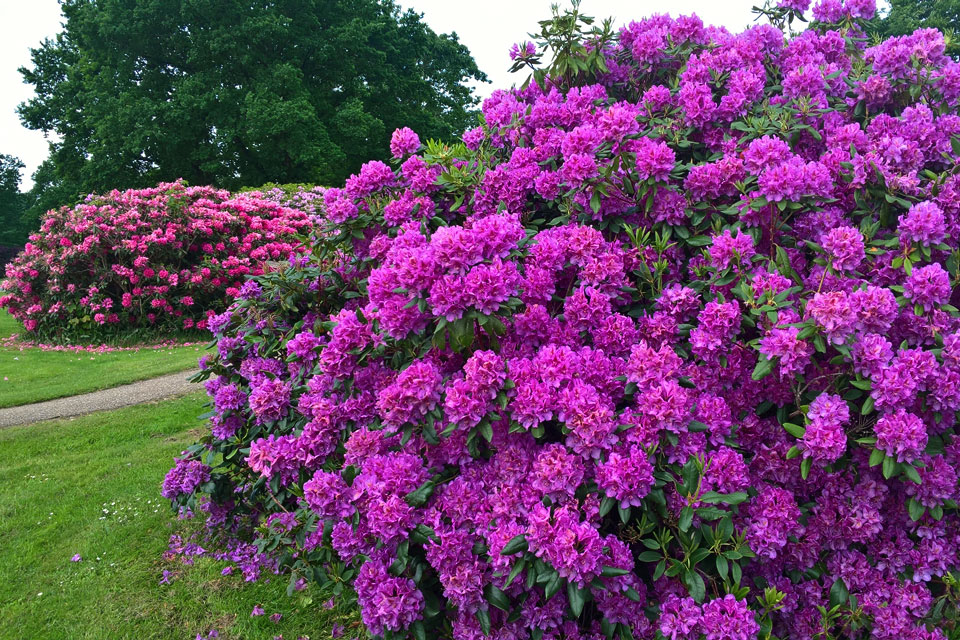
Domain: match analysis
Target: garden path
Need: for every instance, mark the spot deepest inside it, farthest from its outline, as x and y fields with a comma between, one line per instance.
x=167, y=386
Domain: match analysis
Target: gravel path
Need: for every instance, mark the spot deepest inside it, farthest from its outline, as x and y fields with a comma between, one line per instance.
x=167, y=386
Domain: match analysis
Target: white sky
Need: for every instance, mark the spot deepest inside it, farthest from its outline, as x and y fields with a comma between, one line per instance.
x=487, y=29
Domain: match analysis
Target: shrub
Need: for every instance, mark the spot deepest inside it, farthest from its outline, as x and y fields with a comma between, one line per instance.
x=304, y=197
x=162, y=259
x=664, y=349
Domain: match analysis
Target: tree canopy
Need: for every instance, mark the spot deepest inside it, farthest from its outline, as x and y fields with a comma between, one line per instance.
x=233, y=92
x=12, y=228
x=906, y=16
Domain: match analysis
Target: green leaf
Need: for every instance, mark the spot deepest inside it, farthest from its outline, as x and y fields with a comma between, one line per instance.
x=698, y=555
x=876, y=457
x=795, y=430
x=763, y=369
x=484, y=617
x=838, y=592
x=659, y=570
x=497, y=598
x=422, y=534
x=462, y=334
x=910, y=471
x=419, y=631
x=723, y=567
x=805, y=467
x=486, y=430
x=709, y=514
x=691, y=475
x=686, y=518
x=577, y=598
x=429, y=432
x=695, y=585
x=517, y=568
x=595, y=202
x=516, y=544
x=650, y=556
x=915, y=509
x=819, y=343
x=419, y=497
x=889, y=467
x=725, y=529
x=712, y=497
x=612, y=572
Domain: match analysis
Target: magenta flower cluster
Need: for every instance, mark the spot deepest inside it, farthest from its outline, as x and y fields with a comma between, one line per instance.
x=162, y=258
x=666, y=348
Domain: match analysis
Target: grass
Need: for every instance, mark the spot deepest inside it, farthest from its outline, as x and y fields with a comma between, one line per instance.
x=31, y=375
x=8, y=326
x=90, y=486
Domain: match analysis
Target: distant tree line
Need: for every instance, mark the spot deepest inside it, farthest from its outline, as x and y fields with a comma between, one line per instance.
x=906, y=16
x=13, y=205
x=236, y=92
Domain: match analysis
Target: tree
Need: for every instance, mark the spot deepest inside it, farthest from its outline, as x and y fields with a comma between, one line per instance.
x=234, y=93
x=906, y=16
x=13, y=231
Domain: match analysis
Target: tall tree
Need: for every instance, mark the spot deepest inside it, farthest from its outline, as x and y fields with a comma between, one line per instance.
x=906, y=16
x=236, y=92
x=13, y=230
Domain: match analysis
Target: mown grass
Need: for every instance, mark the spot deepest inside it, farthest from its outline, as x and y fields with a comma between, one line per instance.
x=31, y=375
x=90, y=486
x=8, y=326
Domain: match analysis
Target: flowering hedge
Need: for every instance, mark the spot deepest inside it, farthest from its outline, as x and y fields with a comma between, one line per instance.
x=162, y=258
x=666, y=348
x=303, y=197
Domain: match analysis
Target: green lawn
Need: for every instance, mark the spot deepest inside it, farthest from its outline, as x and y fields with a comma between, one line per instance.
x=32, y=375
x=8, y=326
x=90, y=486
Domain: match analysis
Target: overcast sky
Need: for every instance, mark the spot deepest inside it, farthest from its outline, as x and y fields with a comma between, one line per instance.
x=487, y=30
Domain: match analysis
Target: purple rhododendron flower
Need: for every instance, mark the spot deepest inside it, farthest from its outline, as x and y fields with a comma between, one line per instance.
x=901, y=435
x=403, y=142
x=626, y=476
x=924, y=223
x=928, y=286
x=184, y=478
x=844, y=246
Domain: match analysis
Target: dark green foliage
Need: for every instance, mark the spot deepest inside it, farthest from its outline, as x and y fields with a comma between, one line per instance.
x=13, y=231
x=236, y=93
x=903, y=17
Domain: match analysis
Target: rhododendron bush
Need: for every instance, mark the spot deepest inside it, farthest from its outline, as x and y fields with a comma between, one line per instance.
x=162, y=258
x=666, y=348
x=303, y=197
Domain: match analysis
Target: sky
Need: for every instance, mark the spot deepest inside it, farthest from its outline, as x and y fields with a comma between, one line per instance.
x=487, y=30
